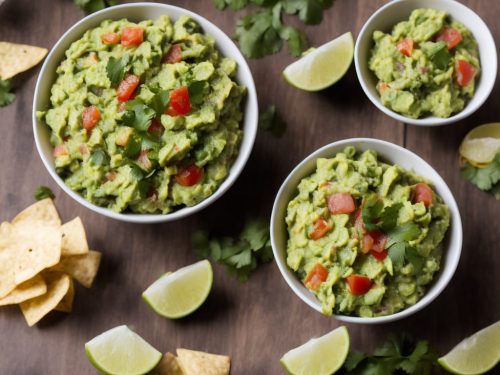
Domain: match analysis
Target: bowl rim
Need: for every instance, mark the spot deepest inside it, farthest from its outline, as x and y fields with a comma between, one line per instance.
x=429, y=120
x=246, y=145
x=440, y=281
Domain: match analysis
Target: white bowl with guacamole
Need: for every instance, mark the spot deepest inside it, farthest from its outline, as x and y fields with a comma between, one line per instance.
x=145, y=112
x=426, y=62
x=366, y=231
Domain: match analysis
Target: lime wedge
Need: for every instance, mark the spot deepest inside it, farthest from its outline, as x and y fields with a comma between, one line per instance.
x=121, y=351
x=323, y=66
x=481, y=144
x=476, y=354
x=319, y=356
x=178, y=294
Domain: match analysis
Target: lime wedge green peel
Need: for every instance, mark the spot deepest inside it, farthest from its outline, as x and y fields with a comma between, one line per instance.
x=318, y=356
x=476, y=354
x=323, y=66
x=178, y=294
x=120, y=351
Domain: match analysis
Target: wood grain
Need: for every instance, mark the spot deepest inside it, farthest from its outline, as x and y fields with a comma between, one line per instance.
x=254, y=322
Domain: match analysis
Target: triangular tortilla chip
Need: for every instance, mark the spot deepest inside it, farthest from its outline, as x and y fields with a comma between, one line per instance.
x=29, y=289
x=66, y=304
x=35, y=309
x=17, y=58
x=43, y=210
x=169, y=365
x=26, y=248
x=193, y=362
x=74, y=240
x=83, y=268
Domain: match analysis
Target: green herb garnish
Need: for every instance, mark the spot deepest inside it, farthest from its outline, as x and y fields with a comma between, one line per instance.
x=240, y=255
x=487, y=178
x=116, y=68
x=6, y=97
x=271, y=120
x=91, y=6
x=160, y=102
x=43, y=192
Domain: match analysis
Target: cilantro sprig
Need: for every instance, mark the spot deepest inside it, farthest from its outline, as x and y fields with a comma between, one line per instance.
x=399, y=354
x=43, y=192
x=263, y=32
x=116, y=68
x=487, y=178
x=91, y=6
x=271, y=121
x=242, y=254
x=6, y=97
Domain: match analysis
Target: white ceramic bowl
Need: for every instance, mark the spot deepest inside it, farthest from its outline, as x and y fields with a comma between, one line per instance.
x=399, y=10
x=138, y=12
x=390, y=153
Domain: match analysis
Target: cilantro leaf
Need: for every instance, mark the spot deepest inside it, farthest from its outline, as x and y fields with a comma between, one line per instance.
x=484, y=178
x=397, y=254
x=43, y=192
x=372, y=208
x=91, y=6
x=196, y=90
x=353, y=360
x=271, y=120
x=438, y=53
x=160, y=102
x=99, y=157
x=296, y=40
x=256, y=233
x=406, y=232
x=138, y=115
x=116, y=68
x=6, y=97
x=309, y=11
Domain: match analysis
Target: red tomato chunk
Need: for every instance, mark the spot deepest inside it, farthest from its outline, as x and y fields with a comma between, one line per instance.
x=174, y=54
x=423, y=193
x=127, y=87
x=189, y=176
x=90, y=117
x=358, y=284
x=341, y=203
x=464, y=72
x=405, y=47
x=321, y=227
x=132, y=36
x=316, y=276
x=179, y=102
x=110, y=38
x=451, y=36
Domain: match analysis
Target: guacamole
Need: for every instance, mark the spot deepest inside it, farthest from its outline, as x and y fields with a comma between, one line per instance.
x=364, y=236
x=426, y=65
x=145, y=117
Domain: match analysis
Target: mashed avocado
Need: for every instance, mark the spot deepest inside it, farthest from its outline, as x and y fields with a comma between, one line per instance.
x=145, y=117
x=426, y=65
x=364, y=236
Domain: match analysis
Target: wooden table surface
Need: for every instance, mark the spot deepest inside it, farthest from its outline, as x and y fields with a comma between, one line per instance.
x=257, y=321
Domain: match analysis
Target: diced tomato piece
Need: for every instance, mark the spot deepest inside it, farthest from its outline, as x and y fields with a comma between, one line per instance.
x=341, y=203
x=127, y=87
x=143, y=160
x=83, y=149
x=60, y=150
x=382, y=87
x=110, y=176
x=179, y=102
x=451, y=36
x=110, y=38
x=321, y=227
x=189, y=175
x=464, y=72
x=422, y=193
x=155, y=128
x=379, y=241
x=359, y=284
x=316, y=276
x=379, y=255
x=173, y=55
x=132, y=36
x=367, y=243
x=90, y=117
x=405, y=47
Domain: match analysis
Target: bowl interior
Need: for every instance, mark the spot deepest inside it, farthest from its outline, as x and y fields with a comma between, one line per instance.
x=389, y=15
x=389, y=153
x=139, y=12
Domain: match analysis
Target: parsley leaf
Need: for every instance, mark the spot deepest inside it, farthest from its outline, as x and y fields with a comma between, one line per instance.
x=240, y=255
x=484, y=178
x=43, y=192
x=91, y=6
x=270, y=120
x=6, y=97
x=116, y=68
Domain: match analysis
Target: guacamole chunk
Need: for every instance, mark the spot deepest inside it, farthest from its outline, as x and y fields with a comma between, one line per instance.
x=426, y=65
x=364, y=236
x=145, y=117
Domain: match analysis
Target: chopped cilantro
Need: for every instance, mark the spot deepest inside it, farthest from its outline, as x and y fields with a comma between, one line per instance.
x=160, y=101
x=398, y=245
x=196, y=89
x=99, y=157
x=270, y=120
x=241, y=255
x=6, y=97
x=116, y=68
x=397, y=353
x=91, y=6
x=487, y=178
x=43, y=192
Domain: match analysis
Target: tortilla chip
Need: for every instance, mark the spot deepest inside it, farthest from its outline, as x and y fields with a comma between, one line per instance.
x=35, y=309
x=193, y=362
x=43, y=210
x=83, y=268
x=66, y=304
x=26, y=248
x=29, y=289
x=74, y=240
x=17, y=58
x=169, y=365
